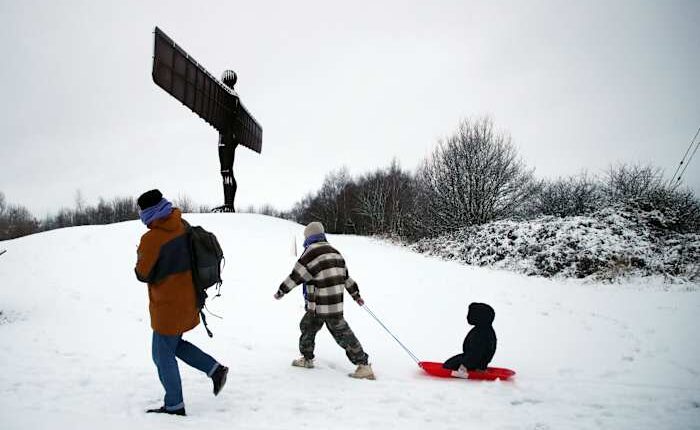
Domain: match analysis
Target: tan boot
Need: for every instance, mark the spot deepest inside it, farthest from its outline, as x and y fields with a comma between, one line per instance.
x=303, y=362
x=363, y=371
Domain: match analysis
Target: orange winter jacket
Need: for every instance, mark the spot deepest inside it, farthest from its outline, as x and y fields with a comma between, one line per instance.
x=164, y=263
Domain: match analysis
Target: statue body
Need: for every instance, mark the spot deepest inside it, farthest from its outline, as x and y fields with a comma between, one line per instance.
x=215, y=102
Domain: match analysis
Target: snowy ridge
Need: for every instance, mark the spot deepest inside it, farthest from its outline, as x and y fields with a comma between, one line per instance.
x=75, y=339
x=610, y=244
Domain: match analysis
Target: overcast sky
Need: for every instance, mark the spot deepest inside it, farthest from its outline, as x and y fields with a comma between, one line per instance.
x=578, y=85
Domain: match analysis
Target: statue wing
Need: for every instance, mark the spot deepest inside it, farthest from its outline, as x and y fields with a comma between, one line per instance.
x=184, y=78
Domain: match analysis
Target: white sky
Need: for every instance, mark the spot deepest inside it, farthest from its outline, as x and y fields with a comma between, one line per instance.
x=578, y=86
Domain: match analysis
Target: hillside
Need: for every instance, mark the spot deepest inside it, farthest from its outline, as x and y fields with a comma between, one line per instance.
x=75, y=339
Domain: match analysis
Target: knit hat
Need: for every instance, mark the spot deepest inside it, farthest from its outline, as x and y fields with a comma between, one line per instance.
x=149, y=199
x=313, y=228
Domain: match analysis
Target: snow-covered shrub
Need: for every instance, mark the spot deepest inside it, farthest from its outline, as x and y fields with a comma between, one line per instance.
x=644, y=188
x=570, y=196
x=613, y=242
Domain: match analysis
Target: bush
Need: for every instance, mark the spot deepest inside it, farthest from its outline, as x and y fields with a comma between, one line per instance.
x=575, y=195
x=472, y=177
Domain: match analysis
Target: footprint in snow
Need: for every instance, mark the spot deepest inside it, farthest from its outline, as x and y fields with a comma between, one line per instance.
x=609, y=374
x=525, y=401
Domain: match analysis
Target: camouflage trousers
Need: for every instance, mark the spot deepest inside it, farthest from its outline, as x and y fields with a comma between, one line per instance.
x=340, y=330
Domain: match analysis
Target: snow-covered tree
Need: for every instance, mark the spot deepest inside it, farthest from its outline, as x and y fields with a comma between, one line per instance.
x=472, y=177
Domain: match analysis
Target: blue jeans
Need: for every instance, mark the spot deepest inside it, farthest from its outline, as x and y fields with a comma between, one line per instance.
x=165, y=349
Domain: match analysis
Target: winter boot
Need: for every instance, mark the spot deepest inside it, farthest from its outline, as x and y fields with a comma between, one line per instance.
x=304, y=362
x=363, y=371
x=219, y=378
x=461, y=372
x=162, y=410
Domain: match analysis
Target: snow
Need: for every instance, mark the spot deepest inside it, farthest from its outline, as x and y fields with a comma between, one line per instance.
x=75, y=339
x=611, y=244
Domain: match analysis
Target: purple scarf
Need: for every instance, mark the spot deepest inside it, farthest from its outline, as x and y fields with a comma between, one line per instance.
x=313, y=239
x=307, y=242
x=160, y=210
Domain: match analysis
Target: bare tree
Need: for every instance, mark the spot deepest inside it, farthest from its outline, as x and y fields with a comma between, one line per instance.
x=644, y=187
x=574, y=195
x=80, y=215
x=17, y=221
x=104, y=213
x=472, y=177
x=185, y=203
x=265, y=209
x=626, y=182
x=384, y=200
x=371, y=203
x=4, y=223
x=268, y=209
x=124, y=209
x=331, y=203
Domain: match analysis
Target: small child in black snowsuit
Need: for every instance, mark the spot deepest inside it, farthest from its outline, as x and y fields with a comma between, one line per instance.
x=480, y=344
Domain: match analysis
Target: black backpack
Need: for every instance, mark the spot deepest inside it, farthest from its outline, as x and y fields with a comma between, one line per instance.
x=207, y=257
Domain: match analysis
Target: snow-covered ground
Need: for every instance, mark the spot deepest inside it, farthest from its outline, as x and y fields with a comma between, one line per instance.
x=75, y=342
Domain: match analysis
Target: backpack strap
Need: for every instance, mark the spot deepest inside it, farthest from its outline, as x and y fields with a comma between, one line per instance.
x=203, y=317
x=204, y=321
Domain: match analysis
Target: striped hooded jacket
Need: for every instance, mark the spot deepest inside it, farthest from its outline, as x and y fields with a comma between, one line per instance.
x=323, y=270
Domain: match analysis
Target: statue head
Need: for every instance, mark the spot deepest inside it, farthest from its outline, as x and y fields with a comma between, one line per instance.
x=229, y=78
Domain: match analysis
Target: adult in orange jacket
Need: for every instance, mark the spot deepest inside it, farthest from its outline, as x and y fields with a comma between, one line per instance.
x=164, y=263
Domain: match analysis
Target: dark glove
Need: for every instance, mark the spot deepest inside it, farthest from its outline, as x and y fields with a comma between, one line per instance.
x=360, y=302
x=278, y=295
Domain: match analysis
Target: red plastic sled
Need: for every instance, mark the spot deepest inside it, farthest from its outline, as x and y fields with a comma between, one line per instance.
x=490, y=374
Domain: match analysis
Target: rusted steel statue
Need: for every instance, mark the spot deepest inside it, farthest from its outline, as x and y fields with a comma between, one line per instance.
x=215, y=102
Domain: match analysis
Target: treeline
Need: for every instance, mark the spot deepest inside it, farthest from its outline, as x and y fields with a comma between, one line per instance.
x=476, y=176
x=17, y=221
x=472, y=177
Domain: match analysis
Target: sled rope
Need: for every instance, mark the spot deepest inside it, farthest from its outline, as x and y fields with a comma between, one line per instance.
x=392, y=334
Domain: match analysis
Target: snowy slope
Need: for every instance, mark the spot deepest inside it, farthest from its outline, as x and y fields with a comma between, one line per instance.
x=75, y=342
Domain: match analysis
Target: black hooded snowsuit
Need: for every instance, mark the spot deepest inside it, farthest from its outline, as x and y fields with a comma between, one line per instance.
x=480, y=344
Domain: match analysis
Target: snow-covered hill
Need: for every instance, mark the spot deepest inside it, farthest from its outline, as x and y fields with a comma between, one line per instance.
x=611, y=244
x=75, y=342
